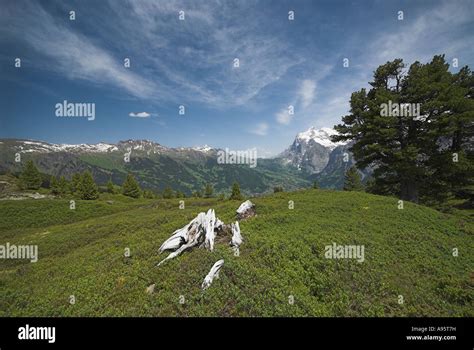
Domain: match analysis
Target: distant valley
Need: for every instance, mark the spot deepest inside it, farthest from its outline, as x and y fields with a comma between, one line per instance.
x=311, y=157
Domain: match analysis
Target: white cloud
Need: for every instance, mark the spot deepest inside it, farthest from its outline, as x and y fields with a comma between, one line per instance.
x=260, y=129
x=171, y=68
x=74, y=55
x=283, y=116
x=433, y=32
x=139, y=115
x=306, y=92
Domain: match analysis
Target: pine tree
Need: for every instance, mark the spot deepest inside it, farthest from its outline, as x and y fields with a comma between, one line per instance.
x=197, y=194
x=130, y=187
x=110, y=186
x=235, y=191
x=315, y=185
x=277, y=189
x=63, y=186
x=370, y=186
x=168, y=193
x=30, y=178
x=87, y=187
x=208, y=191
x=412, y=153
x=148, y=194
x=75, y=182
x=352, y=180
x=54, y=185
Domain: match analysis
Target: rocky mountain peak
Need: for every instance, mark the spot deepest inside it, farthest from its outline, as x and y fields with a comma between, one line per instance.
x=321, y=136
x=311, y=149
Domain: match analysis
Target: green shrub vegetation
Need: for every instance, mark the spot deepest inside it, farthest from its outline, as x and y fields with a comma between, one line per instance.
x=408, y=252
x=168, y=193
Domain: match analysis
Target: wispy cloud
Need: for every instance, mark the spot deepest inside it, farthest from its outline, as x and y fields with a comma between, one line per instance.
x=436, y=30
x=72, y=54
x=190, y=62
x=432, y=32
x=180, y=61
x=139, y=115
x=260, y=129
x=283, y=116
x=306, y=92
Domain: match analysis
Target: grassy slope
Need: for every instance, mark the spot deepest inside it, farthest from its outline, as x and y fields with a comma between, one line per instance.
x=407, y=252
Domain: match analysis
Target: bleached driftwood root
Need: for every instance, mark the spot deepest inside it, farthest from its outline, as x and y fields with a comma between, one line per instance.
x=200, y=230
x=236, y=238
x=210, y=233
x=214, y=273
x=246, y=210
x=177, y=239
x=151, y=288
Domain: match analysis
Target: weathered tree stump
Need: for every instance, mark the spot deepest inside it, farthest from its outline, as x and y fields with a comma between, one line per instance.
x=246, y=210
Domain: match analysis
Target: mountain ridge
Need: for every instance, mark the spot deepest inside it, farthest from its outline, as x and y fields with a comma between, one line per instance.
x=186, y=168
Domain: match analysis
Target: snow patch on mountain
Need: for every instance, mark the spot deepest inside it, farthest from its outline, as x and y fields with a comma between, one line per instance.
x=142, y=146
x=311, y=149
x=204, y=148
x=43, y=147
x=321, y=136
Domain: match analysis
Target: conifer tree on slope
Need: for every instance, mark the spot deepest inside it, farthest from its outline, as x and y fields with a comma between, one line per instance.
x=168, y=192
x=110, y=186
x=208, y=191
x=87, y=187
x=235, y=191
x=63, y=186
x=75, y=182
x=54, y=185
x=352, y=180
x=412, y=156
x=30, y=178
x=130, y=187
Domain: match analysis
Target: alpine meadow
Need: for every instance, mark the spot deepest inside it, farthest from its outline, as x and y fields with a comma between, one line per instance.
x=303, y=159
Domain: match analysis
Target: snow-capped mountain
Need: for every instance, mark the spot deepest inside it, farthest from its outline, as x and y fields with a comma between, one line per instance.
x=155, y=166
x=321, y=136
x=311, y=149
x=146, y=146
x=26, y=146
x=204, y=148
x=311, y=156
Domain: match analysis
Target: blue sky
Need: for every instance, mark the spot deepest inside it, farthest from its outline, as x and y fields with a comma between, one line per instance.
x=190, y=63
